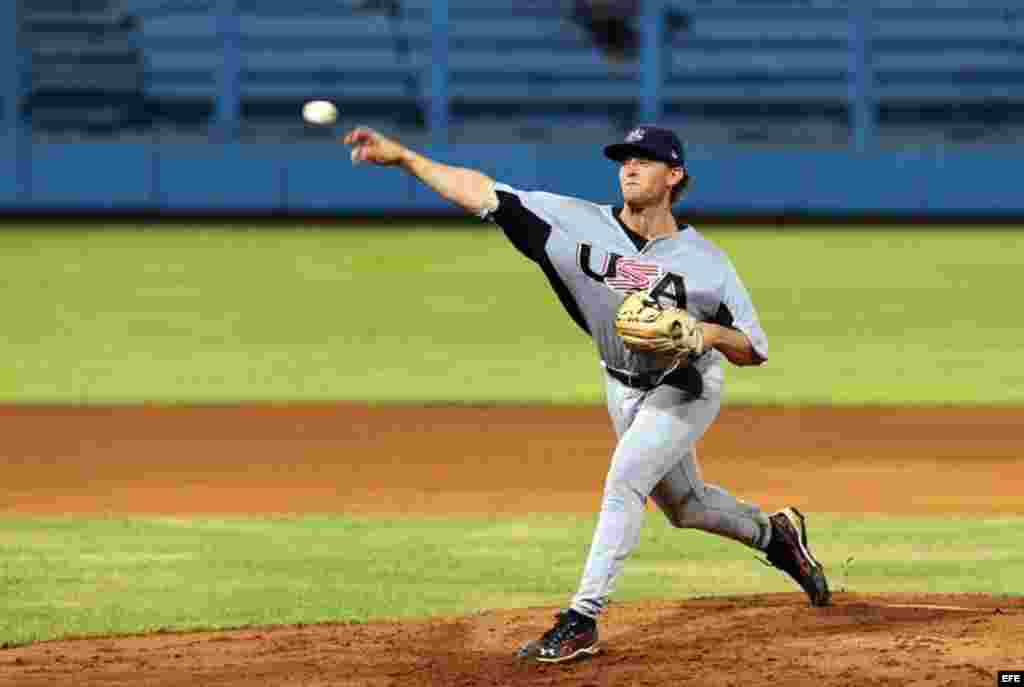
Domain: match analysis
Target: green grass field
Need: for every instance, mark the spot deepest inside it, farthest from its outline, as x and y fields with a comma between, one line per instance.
x=76, y=577
x=884, y=315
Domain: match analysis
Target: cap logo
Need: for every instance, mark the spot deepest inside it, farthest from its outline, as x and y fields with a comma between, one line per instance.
x=675, y=155
x=636, y=135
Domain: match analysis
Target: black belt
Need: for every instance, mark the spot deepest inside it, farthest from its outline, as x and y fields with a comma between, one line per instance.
x=645, y=381
x=685, y=378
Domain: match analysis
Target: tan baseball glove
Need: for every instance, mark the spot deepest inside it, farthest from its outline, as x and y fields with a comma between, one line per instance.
x=647, y=327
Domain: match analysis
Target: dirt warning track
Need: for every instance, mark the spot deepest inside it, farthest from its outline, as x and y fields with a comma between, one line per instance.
x=448, y=460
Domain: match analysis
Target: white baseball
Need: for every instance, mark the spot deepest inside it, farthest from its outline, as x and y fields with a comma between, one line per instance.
x=320, y=112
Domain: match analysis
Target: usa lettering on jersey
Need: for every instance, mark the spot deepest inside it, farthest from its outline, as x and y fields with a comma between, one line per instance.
x=627, y=274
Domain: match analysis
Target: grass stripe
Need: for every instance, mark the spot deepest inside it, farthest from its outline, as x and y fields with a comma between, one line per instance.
x=73, y=576
x=880, y=315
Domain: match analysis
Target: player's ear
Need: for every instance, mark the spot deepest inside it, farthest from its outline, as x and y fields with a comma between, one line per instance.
x=675, y=175
x=681, y=186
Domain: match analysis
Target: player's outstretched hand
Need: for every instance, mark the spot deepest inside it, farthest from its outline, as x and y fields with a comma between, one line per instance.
x=370, y=146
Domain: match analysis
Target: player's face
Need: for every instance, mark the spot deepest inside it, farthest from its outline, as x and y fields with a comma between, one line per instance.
x=646, y=182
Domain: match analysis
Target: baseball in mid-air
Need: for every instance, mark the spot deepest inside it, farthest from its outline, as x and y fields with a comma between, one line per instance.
x=320, y=112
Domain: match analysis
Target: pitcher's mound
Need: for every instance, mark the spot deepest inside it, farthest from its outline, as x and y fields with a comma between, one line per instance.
x=889, y=639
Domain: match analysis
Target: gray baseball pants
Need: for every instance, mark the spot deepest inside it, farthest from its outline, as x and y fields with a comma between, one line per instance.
x=656, y=456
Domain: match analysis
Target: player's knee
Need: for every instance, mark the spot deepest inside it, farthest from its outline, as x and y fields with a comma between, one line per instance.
x=620, y=496
x=687, y=513
x=675, y=518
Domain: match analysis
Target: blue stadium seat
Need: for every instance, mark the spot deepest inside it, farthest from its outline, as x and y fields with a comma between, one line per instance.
x=374, y=63
x=759, y=26
x=751, y=53
x=178, y=29
x=58, y=6
x=313, y=9
x=346, y=57
x=543, y=63
x=948, y=54
x=181, y=52
x=496, y=11
x=182, y=61
x=533, y=57
x=987, y=24
x=518, y=31
x=777, y=62
x=522, y=96
x=339, y=30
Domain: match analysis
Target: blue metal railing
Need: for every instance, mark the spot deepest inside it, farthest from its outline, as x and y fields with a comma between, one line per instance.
x=229, y=75
x=10, y=70
x=862, y=108
x=15, y=80
x=439, y=41
x=652, y=64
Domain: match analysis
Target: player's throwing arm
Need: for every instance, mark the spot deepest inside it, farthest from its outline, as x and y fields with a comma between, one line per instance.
x=467, y=188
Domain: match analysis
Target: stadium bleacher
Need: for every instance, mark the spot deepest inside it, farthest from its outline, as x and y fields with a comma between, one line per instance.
x=761, y=71
x=87, y=71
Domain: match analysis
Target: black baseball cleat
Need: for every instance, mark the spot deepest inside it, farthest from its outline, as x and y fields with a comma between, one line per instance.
x=573, y=636
x=788, y=551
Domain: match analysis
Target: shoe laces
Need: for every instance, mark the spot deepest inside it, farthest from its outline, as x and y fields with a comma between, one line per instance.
x=563, y=629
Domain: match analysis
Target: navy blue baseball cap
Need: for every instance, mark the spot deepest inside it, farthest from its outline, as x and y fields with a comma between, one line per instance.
x=649, y=143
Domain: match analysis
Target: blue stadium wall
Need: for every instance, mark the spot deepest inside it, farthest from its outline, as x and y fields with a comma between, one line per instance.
x=318, y=178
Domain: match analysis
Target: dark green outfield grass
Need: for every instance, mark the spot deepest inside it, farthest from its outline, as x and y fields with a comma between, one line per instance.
x=63, y=577
x=427, y=313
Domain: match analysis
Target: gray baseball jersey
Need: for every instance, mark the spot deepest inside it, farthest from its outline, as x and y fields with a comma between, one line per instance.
x=592, y=263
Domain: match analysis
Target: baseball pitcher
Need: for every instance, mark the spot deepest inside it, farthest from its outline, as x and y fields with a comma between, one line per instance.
x=664, y=307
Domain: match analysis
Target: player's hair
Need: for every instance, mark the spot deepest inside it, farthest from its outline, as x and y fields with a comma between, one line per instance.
x=679, y=189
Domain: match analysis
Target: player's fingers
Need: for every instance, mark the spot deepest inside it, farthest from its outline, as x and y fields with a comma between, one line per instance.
x=359, y=136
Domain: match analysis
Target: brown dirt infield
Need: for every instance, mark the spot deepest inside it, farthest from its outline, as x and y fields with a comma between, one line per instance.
x=368, y=460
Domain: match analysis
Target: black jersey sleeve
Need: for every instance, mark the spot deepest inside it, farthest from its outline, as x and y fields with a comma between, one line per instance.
x=526, y=217
x=527, y=230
